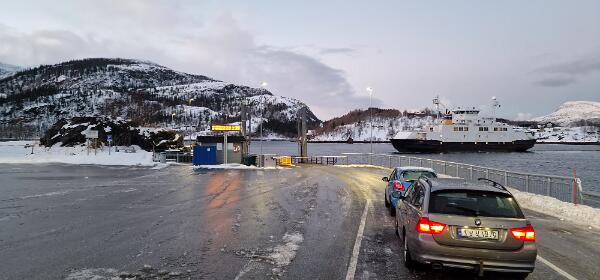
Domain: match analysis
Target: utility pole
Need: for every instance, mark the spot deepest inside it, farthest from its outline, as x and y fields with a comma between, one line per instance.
x=302, y=139
x=370, y=90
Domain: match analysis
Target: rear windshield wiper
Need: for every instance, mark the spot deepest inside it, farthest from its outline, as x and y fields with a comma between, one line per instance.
x=473, y=211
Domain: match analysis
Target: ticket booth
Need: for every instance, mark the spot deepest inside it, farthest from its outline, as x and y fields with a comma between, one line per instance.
x=232, y=147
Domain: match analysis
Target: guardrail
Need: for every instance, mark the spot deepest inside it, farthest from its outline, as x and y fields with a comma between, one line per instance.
x=566, y=189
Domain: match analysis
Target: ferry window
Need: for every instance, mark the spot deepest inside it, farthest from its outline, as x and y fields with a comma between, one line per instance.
x=460, y=129
x=483, y=128
x=455, y=128
x=505, y=129
x=431, y=129
x=466, y=129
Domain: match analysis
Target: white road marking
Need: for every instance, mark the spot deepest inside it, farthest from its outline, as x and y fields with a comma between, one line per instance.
x=357, y=242
x=556, y=268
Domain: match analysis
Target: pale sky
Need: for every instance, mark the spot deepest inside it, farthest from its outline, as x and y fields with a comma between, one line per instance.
x=531, y=55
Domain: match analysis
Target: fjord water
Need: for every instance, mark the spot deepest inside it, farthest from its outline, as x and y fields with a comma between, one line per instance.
x=547, y=159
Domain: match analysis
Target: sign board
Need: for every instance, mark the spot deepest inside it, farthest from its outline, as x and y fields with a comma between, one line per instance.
x=109, y=138
x=225, y=127
x=92, y=134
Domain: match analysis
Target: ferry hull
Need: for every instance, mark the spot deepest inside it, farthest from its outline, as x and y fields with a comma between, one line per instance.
x=434, y=146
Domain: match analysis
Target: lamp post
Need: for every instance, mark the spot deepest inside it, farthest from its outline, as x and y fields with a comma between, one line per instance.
x=172, y=120
x=262, y=85
x=190, y=121
x=370, y=90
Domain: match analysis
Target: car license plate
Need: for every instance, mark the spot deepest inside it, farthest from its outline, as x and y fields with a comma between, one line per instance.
x=477, y=233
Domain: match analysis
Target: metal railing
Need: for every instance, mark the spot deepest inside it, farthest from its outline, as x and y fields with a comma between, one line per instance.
x=566, y=189
x=164, y=157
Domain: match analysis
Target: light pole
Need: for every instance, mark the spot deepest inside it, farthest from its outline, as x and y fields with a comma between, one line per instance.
x=191, y=121
x=262, y=85
x=172, y=120
x=370, y=90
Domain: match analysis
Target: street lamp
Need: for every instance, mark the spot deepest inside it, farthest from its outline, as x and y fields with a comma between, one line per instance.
x=370, y=90
x=172, y=120
x=263, y=85
x=190, y=122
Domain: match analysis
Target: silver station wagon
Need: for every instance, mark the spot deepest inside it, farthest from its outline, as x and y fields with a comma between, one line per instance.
x=452, y=223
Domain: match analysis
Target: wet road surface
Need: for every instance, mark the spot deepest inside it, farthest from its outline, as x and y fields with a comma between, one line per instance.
x=81, y=222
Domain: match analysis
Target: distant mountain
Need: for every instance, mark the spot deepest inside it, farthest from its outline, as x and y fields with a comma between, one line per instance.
x=356, y=125
x=144, y=92
x=7, y=70
x=574, y=113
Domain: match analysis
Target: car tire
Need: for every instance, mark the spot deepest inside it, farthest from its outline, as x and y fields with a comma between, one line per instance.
x=392, y=210
x=406, y=258
x=387, y=202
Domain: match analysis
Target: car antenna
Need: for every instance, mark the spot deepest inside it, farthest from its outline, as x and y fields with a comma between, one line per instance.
x=494, y=184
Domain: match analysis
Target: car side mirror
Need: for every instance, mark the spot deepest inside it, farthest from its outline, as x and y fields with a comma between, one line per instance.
x=397, y=194
x=385, y=179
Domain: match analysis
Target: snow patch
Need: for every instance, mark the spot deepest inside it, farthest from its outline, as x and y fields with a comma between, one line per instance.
x=94, y=274
x=15, y=152
x=284, y=254
x=580, y=214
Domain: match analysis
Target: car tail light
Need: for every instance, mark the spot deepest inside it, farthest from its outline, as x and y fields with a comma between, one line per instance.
x=526, y=233
x=426, y=226
x=398, y=186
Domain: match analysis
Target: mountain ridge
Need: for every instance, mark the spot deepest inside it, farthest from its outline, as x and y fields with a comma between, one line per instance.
x=145, y=92
x=573, y=113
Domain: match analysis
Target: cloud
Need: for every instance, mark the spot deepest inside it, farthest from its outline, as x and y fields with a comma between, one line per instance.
x=218, y=48
x=524, y=116
x=556, y=81
x=566, y=73
x=337, y=50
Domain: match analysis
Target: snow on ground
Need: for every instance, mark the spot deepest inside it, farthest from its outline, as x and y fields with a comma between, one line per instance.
x=568, y=134
x=580, y=214
x=15, y=152
x=284, y=254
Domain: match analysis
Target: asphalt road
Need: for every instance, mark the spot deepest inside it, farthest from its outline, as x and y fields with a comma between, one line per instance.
x=88, y=222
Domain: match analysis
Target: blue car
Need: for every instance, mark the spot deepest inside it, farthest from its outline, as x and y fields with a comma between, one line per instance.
x=399, y=181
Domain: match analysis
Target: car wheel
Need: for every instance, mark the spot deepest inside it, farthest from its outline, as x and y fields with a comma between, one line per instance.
x=407, y=259
x=392, y=210
x=387, y=202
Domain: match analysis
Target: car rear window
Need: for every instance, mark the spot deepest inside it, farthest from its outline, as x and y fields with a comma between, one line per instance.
x=415, y=175
x=474, y=203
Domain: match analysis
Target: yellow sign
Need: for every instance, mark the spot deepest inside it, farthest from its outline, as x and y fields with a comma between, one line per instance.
x=220, y=127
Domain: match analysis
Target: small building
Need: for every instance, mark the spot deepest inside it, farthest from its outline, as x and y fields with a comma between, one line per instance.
x=235, y=147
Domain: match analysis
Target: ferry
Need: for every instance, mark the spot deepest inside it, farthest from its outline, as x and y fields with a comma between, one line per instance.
x=463, y=129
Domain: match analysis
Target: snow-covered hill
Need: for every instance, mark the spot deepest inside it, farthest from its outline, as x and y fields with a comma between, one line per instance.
x=7, y=70
x=356, y=125
x=573, y=113
x=585, y=134
x=145, y=92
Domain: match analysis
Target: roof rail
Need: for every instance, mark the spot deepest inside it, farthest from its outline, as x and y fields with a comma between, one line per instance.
x=494, y=184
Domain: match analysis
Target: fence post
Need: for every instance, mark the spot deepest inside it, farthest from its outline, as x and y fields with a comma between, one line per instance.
x=549, y=186
x=347, y=162
x=506, y=178
x=471, y=172
x=527, y=183
x=408, y=161
x=444, y=168
x=177, y=157
x=457, y=170
x=390, y=157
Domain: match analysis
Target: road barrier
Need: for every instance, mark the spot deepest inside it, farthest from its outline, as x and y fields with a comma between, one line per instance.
x=563, y=188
